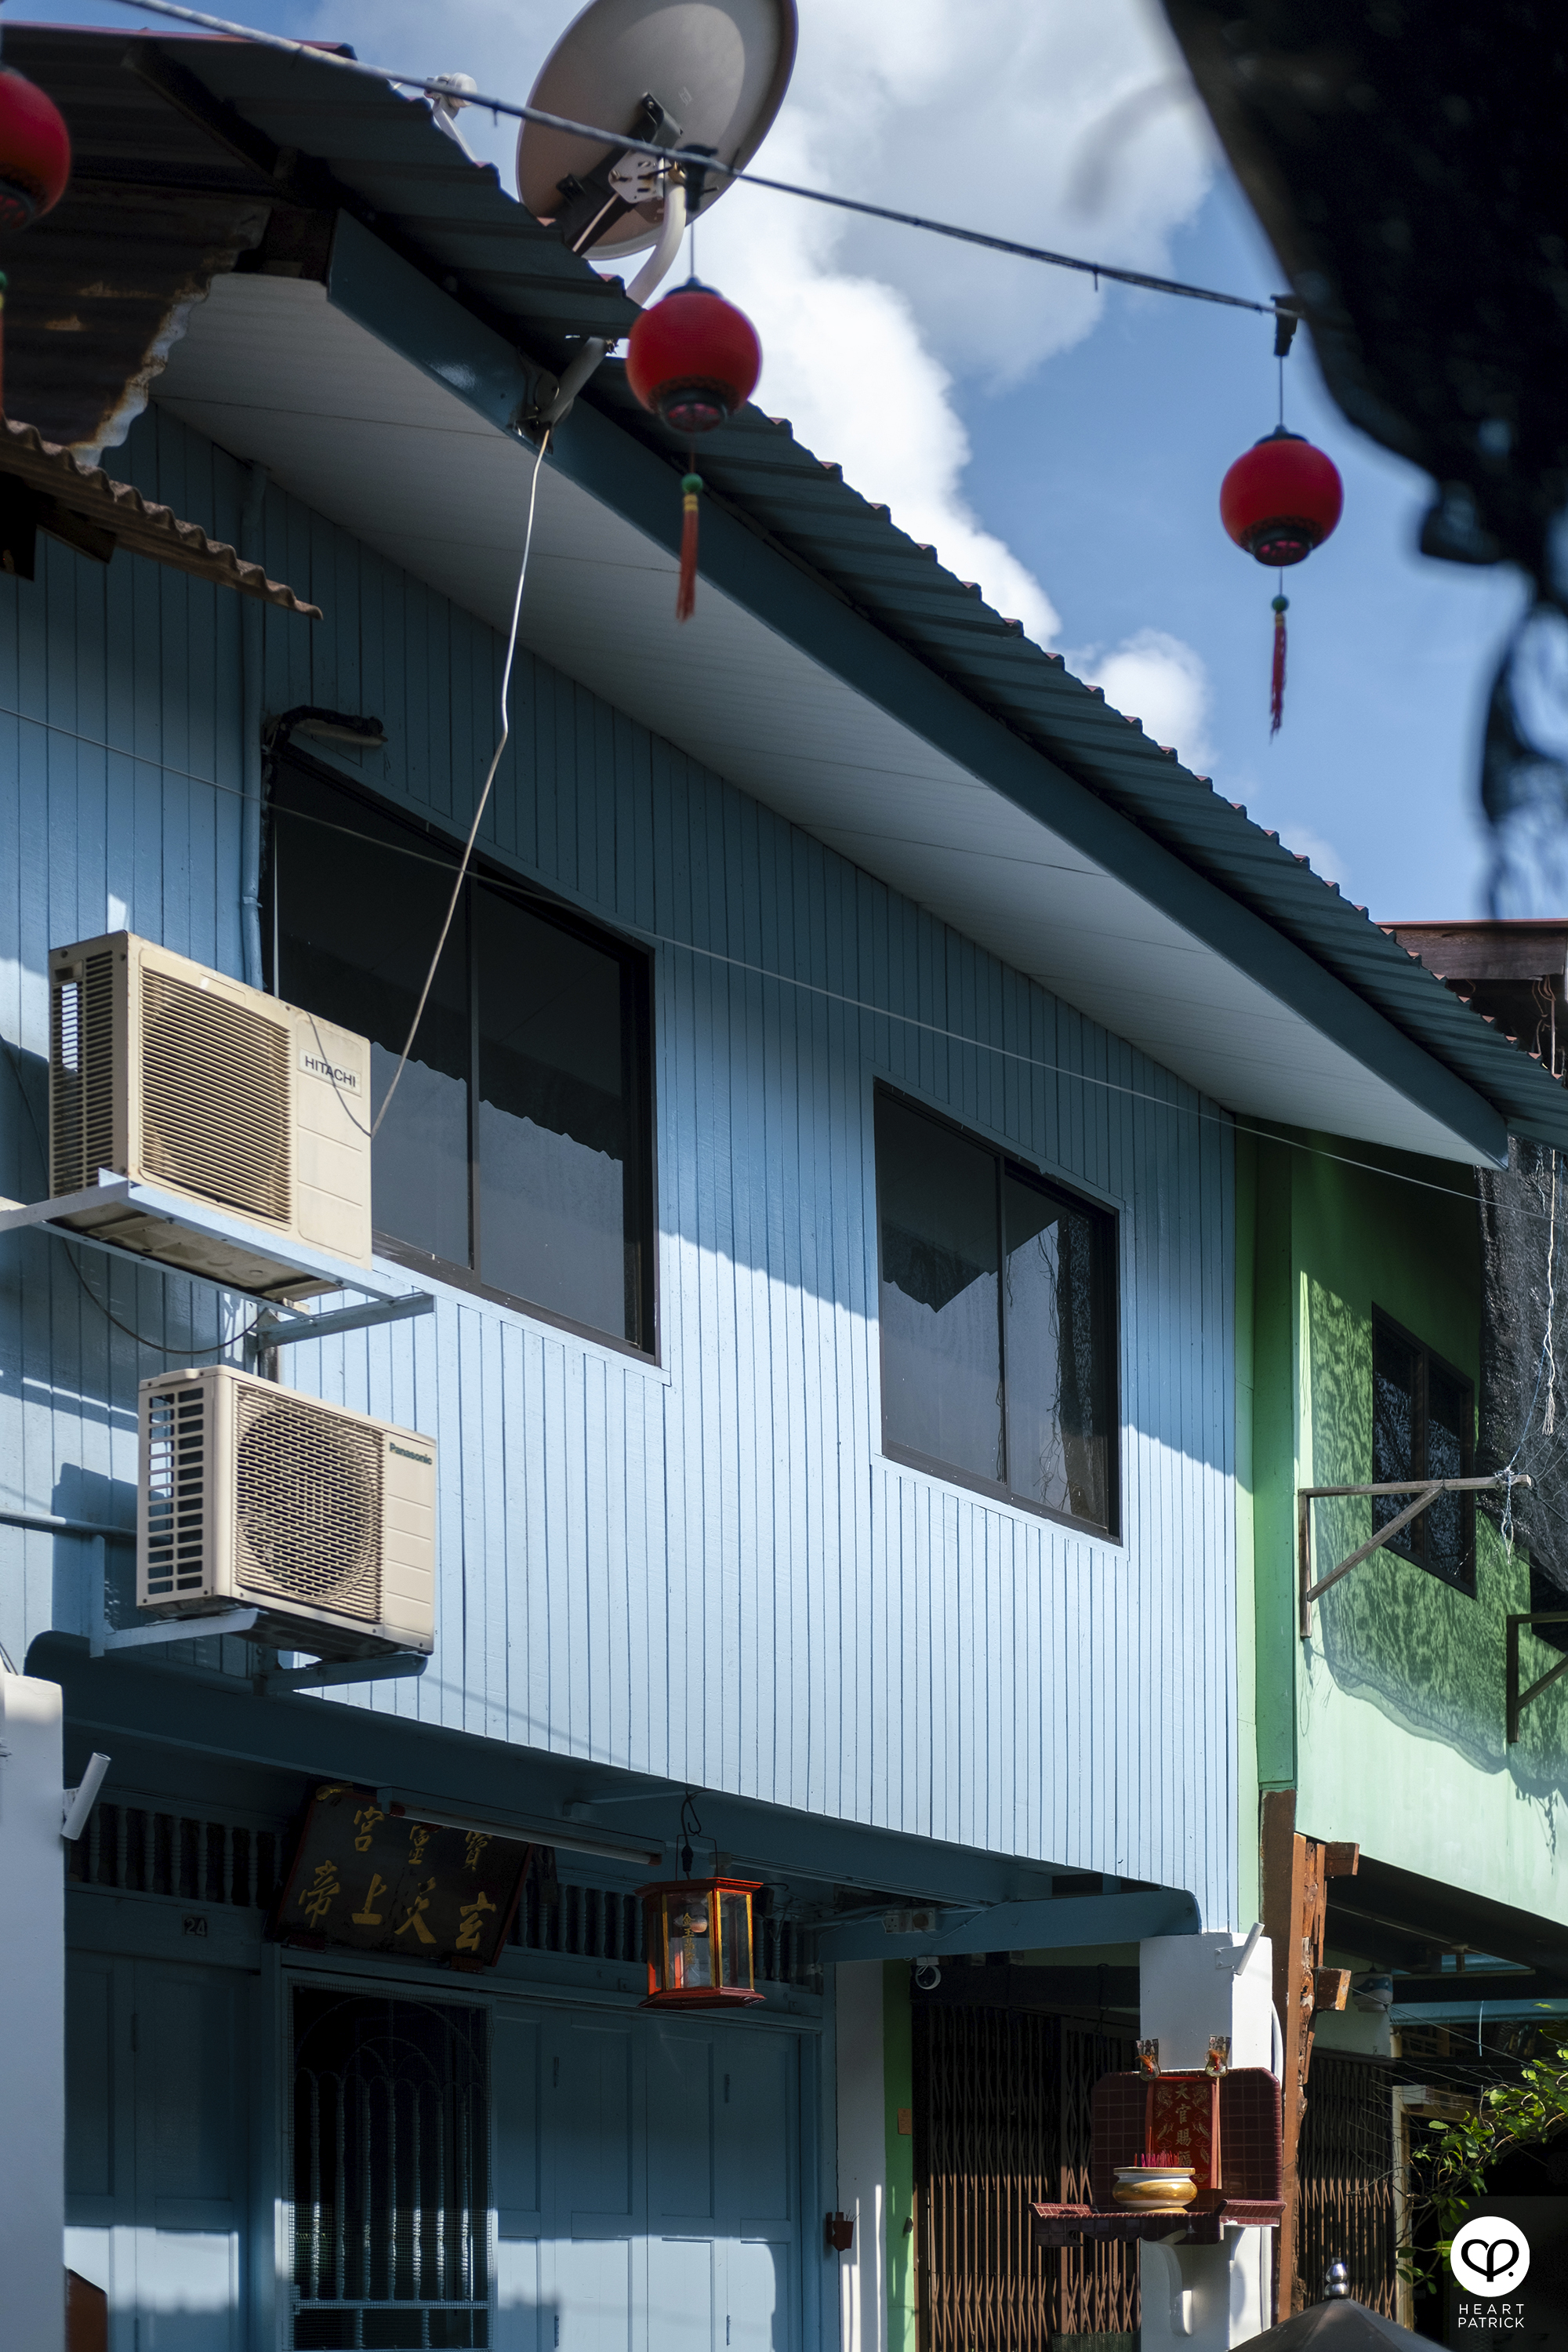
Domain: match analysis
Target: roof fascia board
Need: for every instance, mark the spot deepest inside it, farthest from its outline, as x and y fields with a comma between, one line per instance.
x=593, y=452
x=395, y=302
x=391, y=299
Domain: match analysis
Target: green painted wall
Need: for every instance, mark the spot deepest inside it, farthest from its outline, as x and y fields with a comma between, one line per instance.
x=899, y=2085
x=1389, y=1719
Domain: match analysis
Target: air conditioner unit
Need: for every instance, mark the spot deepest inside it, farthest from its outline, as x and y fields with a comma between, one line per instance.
x=253, y=1495
x=178, y=1076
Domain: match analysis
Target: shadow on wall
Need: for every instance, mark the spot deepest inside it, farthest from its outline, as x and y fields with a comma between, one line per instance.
x=1428, y=1657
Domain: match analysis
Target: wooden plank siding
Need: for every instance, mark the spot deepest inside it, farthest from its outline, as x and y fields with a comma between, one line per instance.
x=702, y=1567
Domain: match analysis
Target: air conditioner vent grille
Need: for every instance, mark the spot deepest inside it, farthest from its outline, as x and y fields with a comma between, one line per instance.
x=308, y=1505
x=215, y=1098
x=178, y=1458
x=81, y=1050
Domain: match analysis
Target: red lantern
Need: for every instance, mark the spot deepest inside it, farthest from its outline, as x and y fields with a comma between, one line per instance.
x=34, y=152
x=693, y=359
x=1279, y=501
x=35, y=163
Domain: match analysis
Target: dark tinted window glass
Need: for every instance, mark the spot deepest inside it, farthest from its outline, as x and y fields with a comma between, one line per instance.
x=1447, y=1457
x=1422, y=1427
x=1394, y=1404
x=998, y=1319
x=1058, y=1438
x=358, y=919
x=557, y=1179
x=526, y=1095
x=941, y=1341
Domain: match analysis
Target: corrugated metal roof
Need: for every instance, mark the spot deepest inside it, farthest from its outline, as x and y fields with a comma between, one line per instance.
x=332, y=139
x=127, y=520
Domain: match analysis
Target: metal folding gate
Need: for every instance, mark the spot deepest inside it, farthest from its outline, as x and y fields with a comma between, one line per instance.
x=1002, y=2121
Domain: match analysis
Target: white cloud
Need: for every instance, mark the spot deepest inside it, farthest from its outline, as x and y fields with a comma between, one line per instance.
x=1060, y=124
x=1158, y=678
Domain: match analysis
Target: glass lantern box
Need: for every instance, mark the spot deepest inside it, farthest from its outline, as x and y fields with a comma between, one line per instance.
x=698, y=1936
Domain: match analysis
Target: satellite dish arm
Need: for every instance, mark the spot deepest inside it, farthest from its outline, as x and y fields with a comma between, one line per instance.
x=655, y=269
x=661, y=260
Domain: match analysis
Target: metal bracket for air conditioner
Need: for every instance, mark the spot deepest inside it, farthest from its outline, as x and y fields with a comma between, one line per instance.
x=1518, y=1700
x=117, y=1199
x=1426, y=1491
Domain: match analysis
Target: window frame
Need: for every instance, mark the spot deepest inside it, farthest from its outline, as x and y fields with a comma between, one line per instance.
x=637, y=960
x=1402, y=1545
x=1107, y=1224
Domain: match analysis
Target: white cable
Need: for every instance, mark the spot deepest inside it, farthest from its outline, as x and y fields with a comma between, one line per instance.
x=479, y=813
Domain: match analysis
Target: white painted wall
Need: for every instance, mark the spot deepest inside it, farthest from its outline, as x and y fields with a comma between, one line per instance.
x=862, y=2155
x=32, y=1975
x=1206, y=2298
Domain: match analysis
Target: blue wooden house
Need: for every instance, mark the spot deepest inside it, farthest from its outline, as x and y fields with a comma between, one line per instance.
x=802, y=1239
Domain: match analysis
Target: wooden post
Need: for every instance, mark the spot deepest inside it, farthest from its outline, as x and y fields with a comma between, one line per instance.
x=1296, y=1873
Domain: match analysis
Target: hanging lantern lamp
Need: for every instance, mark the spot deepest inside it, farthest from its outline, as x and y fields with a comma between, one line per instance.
x=35, y=165
x=698, y=1936
x=1279, y=501
x=693, y=359
x=34, y=152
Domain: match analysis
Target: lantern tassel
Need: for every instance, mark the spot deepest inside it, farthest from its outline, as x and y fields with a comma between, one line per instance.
x=686, y=594
x=1277, y=687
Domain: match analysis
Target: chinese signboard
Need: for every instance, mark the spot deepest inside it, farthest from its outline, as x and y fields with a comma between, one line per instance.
x=380, y=1880
x=1184, y=2122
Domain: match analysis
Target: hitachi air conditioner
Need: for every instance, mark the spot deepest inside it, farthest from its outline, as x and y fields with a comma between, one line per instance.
x=254, y=1495
x=173, y=1076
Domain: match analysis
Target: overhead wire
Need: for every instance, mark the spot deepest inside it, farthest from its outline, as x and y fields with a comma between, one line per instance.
x=652, y=938
x=436, y=86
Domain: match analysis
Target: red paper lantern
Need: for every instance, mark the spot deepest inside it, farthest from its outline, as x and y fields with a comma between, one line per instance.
x=1281, y=500
x=693, y=359
x=34, y=152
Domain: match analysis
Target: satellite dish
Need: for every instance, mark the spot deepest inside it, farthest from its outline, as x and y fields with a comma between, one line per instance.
x=683, y=73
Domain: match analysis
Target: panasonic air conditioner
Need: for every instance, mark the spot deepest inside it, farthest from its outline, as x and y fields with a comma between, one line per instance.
x=253, y=1495
x=181, y=1079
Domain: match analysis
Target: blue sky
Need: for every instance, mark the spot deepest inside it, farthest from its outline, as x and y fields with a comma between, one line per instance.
x=1062, y=447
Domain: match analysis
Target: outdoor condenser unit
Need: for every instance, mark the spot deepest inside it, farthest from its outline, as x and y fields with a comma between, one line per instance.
x=252, y=1495
x=176, y=1077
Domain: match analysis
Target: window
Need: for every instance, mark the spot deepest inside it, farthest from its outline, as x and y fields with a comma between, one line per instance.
x=998, y=1321
x=516, y=1147
x=1423, y=1427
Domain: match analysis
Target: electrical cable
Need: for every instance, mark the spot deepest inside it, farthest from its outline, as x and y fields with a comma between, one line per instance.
x=437, y=86
x=155, y=1347
x=650, y=938
x=462, y=874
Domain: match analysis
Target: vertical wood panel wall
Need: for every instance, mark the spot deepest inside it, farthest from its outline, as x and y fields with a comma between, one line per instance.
x=705, y=1567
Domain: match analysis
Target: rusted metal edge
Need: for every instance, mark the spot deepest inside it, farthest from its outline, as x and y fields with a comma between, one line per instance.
x=122, y=516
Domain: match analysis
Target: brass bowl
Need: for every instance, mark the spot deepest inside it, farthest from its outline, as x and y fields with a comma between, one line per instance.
x=1170, y=2189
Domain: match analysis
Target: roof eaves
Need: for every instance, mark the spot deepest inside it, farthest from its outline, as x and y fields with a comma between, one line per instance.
x=381, y=149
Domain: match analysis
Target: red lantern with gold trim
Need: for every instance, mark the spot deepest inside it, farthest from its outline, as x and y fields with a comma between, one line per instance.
x=1279, y=501
x=698, y=1936
x=35, y=163
x=693, y=359
x=34, y=152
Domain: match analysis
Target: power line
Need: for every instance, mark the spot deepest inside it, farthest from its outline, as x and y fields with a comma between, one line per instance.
x=633, y=930
x=699, y=160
